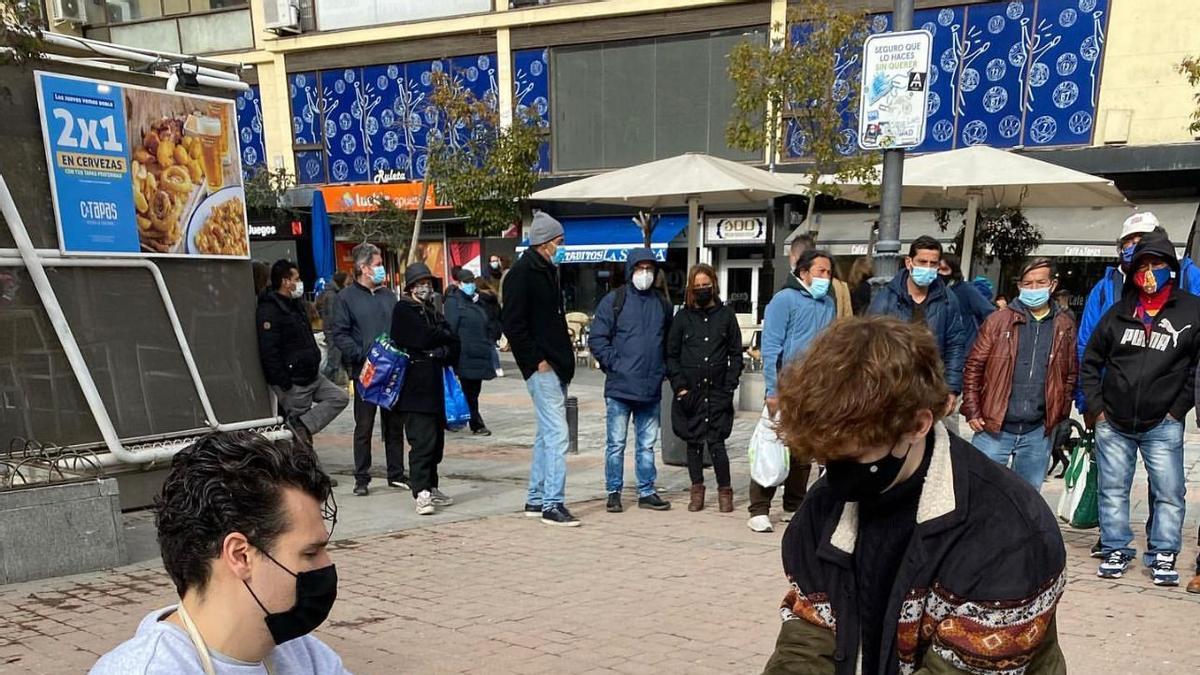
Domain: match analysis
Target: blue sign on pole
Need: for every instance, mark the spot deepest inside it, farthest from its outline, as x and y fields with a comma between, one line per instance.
x=139, y=171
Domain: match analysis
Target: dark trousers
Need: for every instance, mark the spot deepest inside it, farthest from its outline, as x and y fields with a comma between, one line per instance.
x=426, y=441
x=720, y=461
x=794, y=489
x=471, y=389
x=393, y=441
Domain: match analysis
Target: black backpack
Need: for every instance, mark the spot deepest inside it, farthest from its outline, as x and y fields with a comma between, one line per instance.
x=619, y=304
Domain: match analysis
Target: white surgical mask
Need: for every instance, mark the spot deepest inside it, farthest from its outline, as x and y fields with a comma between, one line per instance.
x=642, y=279
x=298, y=291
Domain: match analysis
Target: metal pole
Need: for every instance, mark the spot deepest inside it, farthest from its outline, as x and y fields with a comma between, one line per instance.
x=969, y=235
x=693, y=232
x=887, y=249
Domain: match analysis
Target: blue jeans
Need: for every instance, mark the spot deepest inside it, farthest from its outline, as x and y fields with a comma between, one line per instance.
x=1030, y=452
x=1116, y=457
x=548, y=473
x=645, y=425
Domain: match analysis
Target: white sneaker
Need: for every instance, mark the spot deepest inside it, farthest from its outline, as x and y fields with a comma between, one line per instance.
x=760, y=524
x=440, y=498
x=499, y=372
x=425, y=504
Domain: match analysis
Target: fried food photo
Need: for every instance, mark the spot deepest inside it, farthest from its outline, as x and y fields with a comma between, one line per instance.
x=224, y=231
x=167, y=173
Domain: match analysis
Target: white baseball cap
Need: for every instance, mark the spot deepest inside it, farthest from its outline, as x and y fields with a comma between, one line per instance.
x=1139, y=223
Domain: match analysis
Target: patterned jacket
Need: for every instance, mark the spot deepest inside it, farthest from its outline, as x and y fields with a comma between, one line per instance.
x=976, y=592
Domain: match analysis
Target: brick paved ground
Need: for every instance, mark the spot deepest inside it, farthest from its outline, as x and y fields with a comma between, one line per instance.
x=480, y=589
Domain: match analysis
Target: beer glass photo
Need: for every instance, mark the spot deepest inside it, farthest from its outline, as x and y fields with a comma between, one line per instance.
x=208, y=130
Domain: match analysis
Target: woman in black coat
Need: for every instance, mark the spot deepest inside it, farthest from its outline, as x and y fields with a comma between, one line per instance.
x=420, y=330
x=469, y=320
x=704, y=364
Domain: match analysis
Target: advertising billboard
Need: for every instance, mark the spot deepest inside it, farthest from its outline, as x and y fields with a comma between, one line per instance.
x=140, y=171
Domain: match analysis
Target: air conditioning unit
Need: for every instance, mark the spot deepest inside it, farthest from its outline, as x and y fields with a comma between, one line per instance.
x=69, y=11
x=282, y=16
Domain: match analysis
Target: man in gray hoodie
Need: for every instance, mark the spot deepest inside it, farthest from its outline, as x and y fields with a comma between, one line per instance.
x=363, y=312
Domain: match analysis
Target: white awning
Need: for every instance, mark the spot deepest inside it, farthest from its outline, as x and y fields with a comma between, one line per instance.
x=1074, y=232
x=849, y=232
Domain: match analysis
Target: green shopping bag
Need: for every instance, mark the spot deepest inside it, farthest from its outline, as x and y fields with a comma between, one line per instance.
x=1080, y=503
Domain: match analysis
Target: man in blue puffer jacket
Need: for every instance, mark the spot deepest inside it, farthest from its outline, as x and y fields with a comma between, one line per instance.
x=628, y=339
x=1107, y=291
x=917, y=295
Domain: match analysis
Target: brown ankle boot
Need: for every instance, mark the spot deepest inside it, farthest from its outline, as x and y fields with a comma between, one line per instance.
x=697, y=501
x=725, y=499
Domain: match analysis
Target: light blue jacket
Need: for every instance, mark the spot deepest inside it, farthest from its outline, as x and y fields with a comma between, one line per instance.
x=793, y=318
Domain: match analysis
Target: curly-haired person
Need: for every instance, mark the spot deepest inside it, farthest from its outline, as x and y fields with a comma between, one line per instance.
x=914, y=552
x=242, y=530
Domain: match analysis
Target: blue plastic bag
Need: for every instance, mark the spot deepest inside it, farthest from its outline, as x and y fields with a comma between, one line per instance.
x=382, y=376
x=458, y=413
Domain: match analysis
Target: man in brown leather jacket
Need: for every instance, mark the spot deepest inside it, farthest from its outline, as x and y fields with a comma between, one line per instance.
x=1020, y=376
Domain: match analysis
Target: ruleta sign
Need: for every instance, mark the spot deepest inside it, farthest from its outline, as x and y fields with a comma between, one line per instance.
x=140, y=171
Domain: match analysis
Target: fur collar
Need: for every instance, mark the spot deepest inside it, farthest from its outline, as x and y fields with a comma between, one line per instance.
x=937, y=495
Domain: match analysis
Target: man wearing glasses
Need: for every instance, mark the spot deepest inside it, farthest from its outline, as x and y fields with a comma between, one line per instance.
x=1020, y=376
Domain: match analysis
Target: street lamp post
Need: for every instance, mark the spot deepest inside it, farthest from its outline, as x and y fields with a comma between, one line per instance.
x=887, y=249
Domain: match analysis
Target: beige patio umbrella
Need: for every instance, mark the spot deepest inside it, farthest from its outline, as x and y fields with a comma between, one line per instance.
x=982, y=177
x=691, y=179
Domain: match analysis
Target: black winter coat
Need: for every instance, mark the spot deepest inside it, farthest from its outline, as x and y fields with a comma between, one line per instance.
x=978, y=584
x=469, y=321
x=420, y=331
x=533, y=317
x=704, y=356
x=491, y=304
x=286, y=346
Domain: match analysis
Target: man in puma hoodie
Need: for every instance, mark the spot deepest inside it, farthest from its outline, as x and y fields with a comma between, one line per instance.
x=1138, y=376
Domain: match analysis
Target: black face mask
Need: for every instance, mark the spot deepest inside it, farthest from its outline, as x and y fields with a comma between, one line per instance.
x=703, y=296
x=316, y=591
x=854, y=482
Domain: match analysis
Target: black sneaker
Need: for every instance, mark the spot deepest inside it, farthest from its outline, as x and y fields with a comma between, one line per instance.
x=560, y=516
x=653, y=501
x=1114, y=565
x=1165, y=573
x=1098, y=550
x=400, y=483
x=361, y=491
x=533, y=510
x=482, y=432
x=300, y=433
x=614, y=503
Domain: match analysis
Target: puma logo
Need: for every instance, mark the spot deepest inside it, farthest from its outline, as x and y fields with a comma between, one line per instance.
x=1166, y=325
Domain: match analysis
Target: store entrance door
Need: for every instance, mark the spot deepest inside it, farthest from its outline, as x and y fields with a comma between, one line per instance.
x=739, y=281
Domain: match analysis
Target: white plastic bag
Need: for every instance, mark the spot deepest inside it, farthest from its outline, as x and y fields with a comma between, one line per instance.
x=770, y=460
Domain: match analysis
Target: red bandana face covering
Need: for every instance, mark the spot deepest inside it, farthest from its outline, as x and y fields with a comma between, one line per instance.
x=1149, y=303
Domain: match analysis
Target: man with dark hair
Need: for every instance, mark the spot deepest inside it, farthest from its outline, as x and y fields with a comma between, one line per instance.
x=536, y=326
x=917, y=295
x=839, y=291
x=291, y=360
x=242, y=531
x=1138, y=376
x=363, y=312
x=1020, y=376
x=914, y=552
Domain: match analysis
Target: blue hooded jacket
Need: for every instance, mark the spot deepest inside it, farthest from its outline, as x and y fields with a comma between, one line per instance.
x=631, y=348
x=942, y=316
x=793, y=318
x=1105, y=294
x=974, y=307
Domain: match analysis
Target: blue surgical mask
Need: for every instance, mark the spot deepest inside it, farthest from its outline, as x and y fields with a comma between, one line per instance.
x=560, y=254
x=378, y=274
x=1127, y=253
x=1034, y=297
x=469, y=289
x=923, y=276
x=818, y=287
